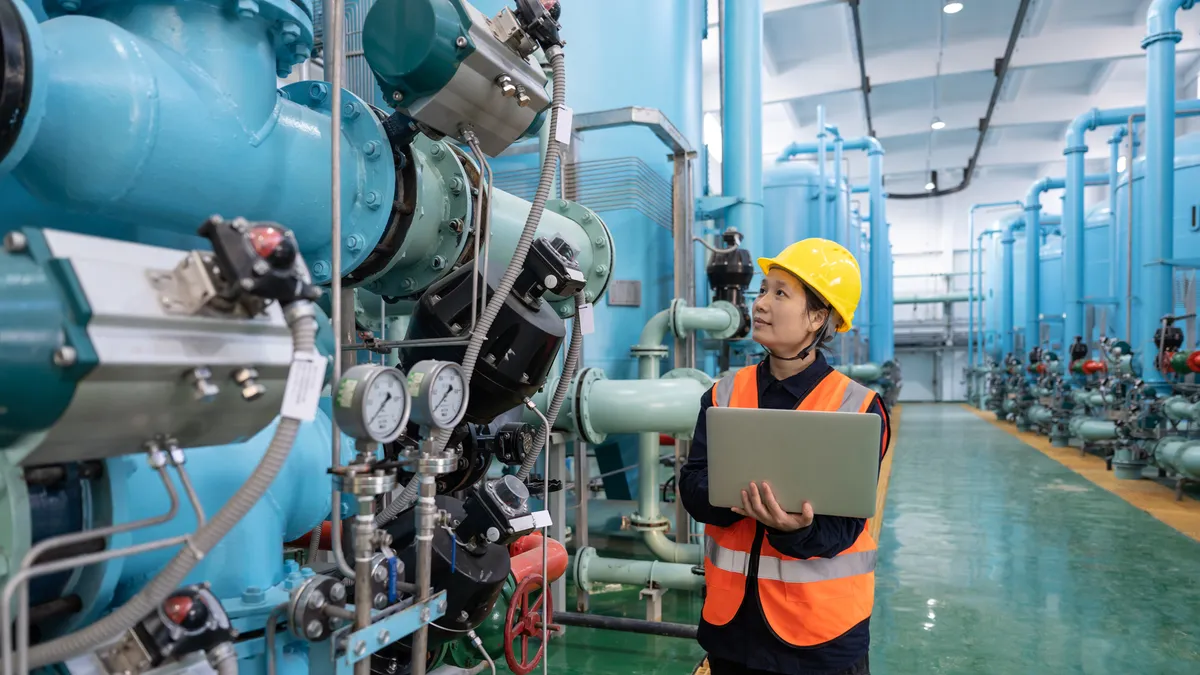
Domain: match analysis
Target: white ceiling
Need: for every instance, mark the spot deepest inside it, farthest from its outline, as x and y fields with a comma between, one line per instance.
x=1073, y=55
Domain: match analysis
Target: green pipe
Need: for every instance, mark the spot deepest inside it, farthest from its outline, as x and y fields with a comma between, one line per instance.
x=932, y=299
x=1040, y=414
x=866, y=373
x=590, y=568
x=1178, y=408
x=720, y=320
x=1179, y=455
x=1092, y=430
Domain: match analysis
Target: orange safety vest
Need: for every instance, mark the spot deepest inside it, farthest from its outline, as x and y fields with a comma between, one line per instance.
x=806, y=602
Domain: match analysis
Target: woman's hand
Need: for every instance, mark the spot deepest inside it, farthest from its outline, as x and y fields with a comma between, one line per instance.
x=761, y=506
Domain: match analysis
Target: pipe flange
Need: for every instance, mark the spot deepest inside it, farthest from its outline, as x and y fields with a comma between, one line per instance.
x=364, y=217
x=580, y=390
x=440, y=226
x=583, y=560
x=307, y=619
x=675, y=319
x=642, y=524
x=659, y=351
x=362, y=484
x=735, y=320
x=599, y=248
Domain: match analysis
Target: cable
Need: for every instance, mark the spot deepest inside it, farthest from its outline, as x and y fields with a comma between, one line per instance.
x=714, y=249
x=549, y=169
x=302, y=322
x=479, y=645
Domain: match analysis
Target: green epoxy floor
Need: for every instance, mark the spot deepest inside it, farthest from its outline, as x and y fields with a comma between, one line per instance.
x=993, y=559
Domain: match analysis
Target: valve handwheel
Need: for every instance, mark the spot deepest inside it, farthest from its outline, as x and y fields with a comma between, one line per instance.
x=524, y=621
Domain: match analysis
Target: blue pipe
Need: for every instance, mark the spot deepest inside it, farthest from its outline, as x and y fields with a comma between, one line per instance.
x=741, y=123
x=193, y=125
x=1073, y=214
x=1158, y=203
x=821, y=159
x=841, y=216
x=1006, y=310
x=1114, y=177
x=860, y=189
x=1033, y=207
x=972, y=241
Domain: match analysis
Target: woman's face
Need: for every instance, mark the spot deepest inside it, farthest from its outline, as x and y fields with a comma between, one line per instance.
x=783, y=322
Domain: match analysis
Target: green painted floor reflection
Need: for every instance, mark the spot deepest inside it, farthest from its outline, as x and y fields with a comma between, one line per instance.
x=997, y=559
x=994, y=559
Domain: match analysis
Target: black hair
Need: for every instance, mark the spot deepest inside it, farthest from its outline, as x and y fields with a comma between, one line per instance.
x=817, y=303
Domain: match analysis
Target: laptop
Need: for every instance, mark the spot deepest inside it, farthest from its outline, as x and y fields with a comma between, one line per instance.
x=830, y=459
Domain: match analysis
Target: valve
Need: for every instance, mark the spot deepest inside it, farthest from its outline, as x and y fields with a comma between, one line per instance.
x=190, y=620
x=524, y=620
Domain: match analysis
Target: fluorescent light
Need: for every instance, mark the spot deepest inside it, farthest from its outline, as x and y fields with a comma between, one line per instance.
x=929, y=186
x=937, y=124
x=952, y=7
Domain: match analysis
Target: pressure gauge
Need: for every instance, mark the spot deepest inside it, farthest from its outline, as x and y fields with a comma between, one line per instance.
x=439, y=394
x=372, y=403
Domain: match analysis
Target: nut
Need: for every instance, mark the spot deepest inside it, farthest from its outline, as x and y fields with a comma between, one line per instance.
x=65, y=356
x=337, y=593
x=380, y=574
x=15, y=242
x=314, y=629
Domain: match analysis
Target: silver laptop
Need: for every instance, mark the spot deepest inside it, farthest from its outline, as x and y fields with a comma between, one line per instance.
x=830, y=459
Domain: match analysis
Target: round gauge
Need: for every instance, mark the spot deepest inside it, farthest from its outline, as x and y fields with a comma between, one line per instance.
x=439, y=393
x=372, y=403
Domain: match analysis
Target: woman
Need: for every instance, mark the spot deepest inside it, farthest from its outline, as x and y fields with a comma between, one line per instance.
x=788, y=593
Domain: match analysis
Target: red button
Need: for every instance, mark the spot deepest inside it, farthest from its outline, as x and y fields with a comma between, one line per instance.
x=265, y=240
x=178, y=608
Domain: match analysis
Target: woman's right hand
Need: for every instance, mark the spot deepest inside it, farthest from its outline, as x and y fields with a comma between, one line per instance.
x=763, y=507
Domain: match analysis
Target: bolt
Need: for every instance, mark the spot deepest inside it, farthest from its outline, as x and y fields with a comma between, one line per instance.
x=337, y=593
x=247, y=284
x=15, y=242
x=360, y=648
x=437, y=150
x=506, y=85
x=384, y=636
x=204, y=390
x=65, y=356
x=350, y=111
x=456, y=185
x=247, y=9
x=407, y=283
x=441, y=606
x=380, y=601
x=314, y=629
x=461, y=42
x=457, y=225
x=601, y=269
x=253, y=595
x=371, y=149
x=289, y=32
x=587, y=218
x=589, y=296
x=397, y=96
x=463, y=616
x=318, y=91
x=438, y=262
x=247, y=378
x=600, y=242
x=374, y=201
x=260, y=267
x=300, y=52
x=320, y=269
x=523, y=99
x=355, y=242
x=69, y=5
x=380, y=574
x=316, y=600
x=564, y=310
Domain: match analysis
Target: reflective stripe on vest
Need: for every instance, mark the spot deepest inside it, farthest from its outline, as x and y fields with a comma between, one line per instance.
x=806, y=602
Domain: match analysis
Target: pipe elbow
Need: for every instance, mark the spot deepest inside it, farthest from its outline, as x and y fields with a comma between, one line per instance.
x=1078, y=129
x=1160, y=19
x=874, y=147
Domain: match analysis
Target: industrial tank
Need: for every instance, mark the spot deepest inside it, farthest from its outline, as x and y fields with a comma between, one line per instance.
x=791, y=208
x=625, y=53
x=1186, y=235
x=1051, y=305
x=1097, y=273
x=995, y=291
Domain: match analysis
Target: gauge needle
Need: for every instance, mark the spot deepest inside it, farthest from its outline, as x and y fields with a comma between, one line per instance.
x=445, y=396
x=381, y=407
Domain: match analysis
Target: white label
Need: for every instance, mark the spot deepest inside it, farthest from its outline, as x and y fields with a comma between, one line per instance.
x=303, y=391
x=566, y=125
x=533, y=521
x=586, y=319
x=541, y=518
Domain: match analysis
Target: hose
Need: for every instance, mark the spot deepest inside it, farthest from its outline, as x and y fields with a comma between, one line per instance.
x=479, y=645
x=303, y=325
x=549, y=169
x=560, y=393
x=314, y=545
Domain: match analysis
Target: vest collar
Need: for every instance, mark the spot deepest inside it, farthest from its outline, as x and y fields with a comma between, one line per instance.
x=798, y=385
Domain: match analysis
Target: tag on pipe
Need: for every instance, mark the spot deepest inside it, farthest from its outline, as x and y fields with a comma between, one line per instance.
x=586, y=319
x=302, y=392
x=566, y=125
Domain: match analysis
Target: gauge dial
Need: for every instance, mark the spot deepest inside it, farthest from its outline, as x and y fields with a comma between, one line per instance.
x=439, y=392
x=372, y=403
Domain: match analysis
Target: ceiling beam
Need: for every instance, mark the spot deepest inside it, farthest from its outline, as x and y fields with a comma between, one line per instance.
x=834, y=73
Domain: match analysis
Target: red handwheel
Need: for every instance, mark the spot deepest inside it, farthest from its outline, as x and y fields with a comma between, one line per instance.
x=524, y=621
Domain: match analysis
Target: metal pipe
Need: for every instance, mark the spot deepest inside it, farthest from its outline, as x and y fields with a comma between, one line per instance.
x=426, y=523
x=591, y=568
x=972, y=243
x=1159, y=203
x=1006, y=283
x=660, y=628
x=364, y=530
x=1180, y=455
x=633, y=406
x=1114, y=177
x=741, y=111
x=864, y=373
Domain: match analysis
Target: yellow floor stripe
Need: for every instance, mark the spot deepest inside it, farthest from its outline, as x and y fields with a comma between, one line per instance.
x=1154, y=498
x=885, y=473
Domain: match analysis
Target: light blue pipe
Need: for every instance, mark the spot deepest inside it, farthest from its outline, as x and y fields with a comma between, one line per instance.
x=1178, y=454
x=860, y=189
x=990, y=232
x=1158, y=204
x=741, y=119
x=1114, y=177
x=1007, y=326
x=183, y=120
x=1033, y=262
x=841, y=216
x=974, y=243
x=822, y=200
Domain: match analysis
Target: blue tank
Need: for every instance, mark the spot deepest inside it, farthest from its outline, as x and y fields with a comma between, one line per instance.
x=791, y=192
x=1051, y=305
x=626, y=53
x=1186, y=236
x=1097, y=272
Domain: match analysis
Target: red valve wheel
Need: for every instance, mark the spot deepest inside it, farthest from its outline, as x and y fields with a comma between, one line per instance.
x=527, y=624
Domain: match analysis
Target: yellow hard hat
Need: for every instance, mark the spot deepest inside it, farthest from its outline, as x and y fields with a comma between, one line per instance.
x=826, y=267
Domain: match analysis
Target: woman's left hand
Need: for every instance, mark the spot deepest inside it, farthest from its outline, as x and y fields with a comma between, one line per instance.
x=761, y=506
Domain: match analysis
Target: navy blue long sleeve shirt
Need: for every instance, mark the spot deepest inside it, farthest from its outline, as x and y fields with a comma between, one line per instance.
x=747, y=639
